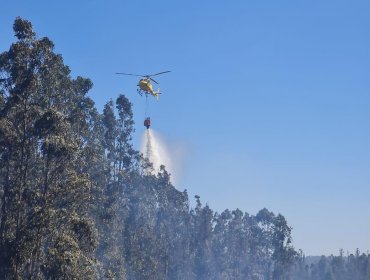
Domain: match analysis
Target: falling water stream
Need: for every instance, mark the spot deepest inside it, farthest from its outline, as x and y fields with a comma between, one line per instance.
x=155, y=150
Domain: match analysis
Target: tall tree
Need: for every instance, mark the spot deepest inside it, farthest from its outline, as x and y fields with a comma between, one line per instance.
x=78, y=202
x=44, y=227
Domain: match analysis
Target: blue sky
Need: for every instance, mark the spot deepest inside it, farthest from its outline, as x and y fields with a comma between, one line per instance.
x=269, y=99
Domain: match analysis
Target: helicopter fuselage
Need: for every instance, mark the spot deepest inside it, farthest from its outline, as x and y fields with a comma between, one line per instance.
x=145, y=86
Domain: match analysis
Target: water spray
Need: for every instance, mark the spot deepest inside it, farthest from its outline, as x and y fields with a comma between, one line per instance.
x=155, y=150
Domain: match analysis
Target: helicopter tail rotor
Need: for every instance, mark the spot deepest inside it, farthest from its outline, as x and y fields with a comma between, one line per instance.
x=157, y=93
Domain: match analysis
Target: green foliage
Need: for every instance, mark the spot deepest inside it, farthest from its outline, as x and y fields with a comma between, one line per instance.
x=23, y=29
x=44, y=228
x=78, y=202
x=352, y=267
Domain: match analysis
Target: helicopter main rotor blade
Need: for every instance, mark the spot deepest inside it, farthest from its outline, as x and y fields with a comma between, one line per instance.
x=159, y=73
x=127, y=74
x=153, y=80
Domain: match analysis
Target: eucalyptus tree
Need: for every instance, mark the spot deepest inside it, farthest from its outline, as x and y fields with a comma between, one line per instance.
x=120, y=161
x=45, y=232
x=78, y=202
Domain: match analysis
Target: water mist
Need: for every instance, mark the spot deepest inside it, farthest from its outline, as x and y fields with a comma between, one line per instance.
x=155, y=150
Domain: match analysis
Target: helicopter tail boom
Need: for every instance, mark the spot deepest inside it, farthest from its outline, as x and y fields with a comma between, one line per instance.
x=156, y=94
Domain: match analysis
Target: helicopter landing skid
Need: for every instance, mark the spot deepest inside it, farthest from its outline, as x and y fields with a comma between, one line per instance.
x=140, y=92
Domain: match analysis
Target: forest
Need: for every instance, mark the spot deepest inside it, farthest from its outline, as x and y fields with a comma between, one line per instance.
x=77, y=201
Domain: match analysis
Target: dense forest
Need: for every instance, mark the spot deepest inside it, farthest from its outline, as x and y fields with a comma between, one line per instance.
x=77, y=201
x=351, y=267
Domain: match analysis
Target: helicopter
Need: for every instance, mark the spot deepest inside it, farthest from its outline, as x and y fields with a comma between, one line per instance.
x=145, y=85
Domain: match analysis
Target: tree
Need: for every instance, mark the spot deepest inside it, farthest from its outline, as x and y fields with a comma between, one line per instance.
x=44, y=227
x=201, y=240
x=78, y=202
x=284, y=253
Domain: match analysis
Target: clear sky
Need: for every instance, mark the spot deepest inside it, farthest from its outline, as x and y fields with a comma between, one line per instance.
x=268, y=100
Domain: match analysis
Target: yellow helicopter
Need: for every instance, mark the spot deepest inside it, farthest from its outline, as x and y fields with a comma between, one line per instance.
x=145, y=85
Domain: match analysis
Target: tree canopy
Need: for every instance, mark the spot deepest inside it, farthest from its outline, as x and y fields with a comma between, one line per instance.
x=77, y=201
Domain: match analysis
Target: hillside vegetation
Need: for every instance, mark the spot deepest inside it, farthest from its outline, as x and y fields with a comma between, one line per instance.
x=78, y=202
